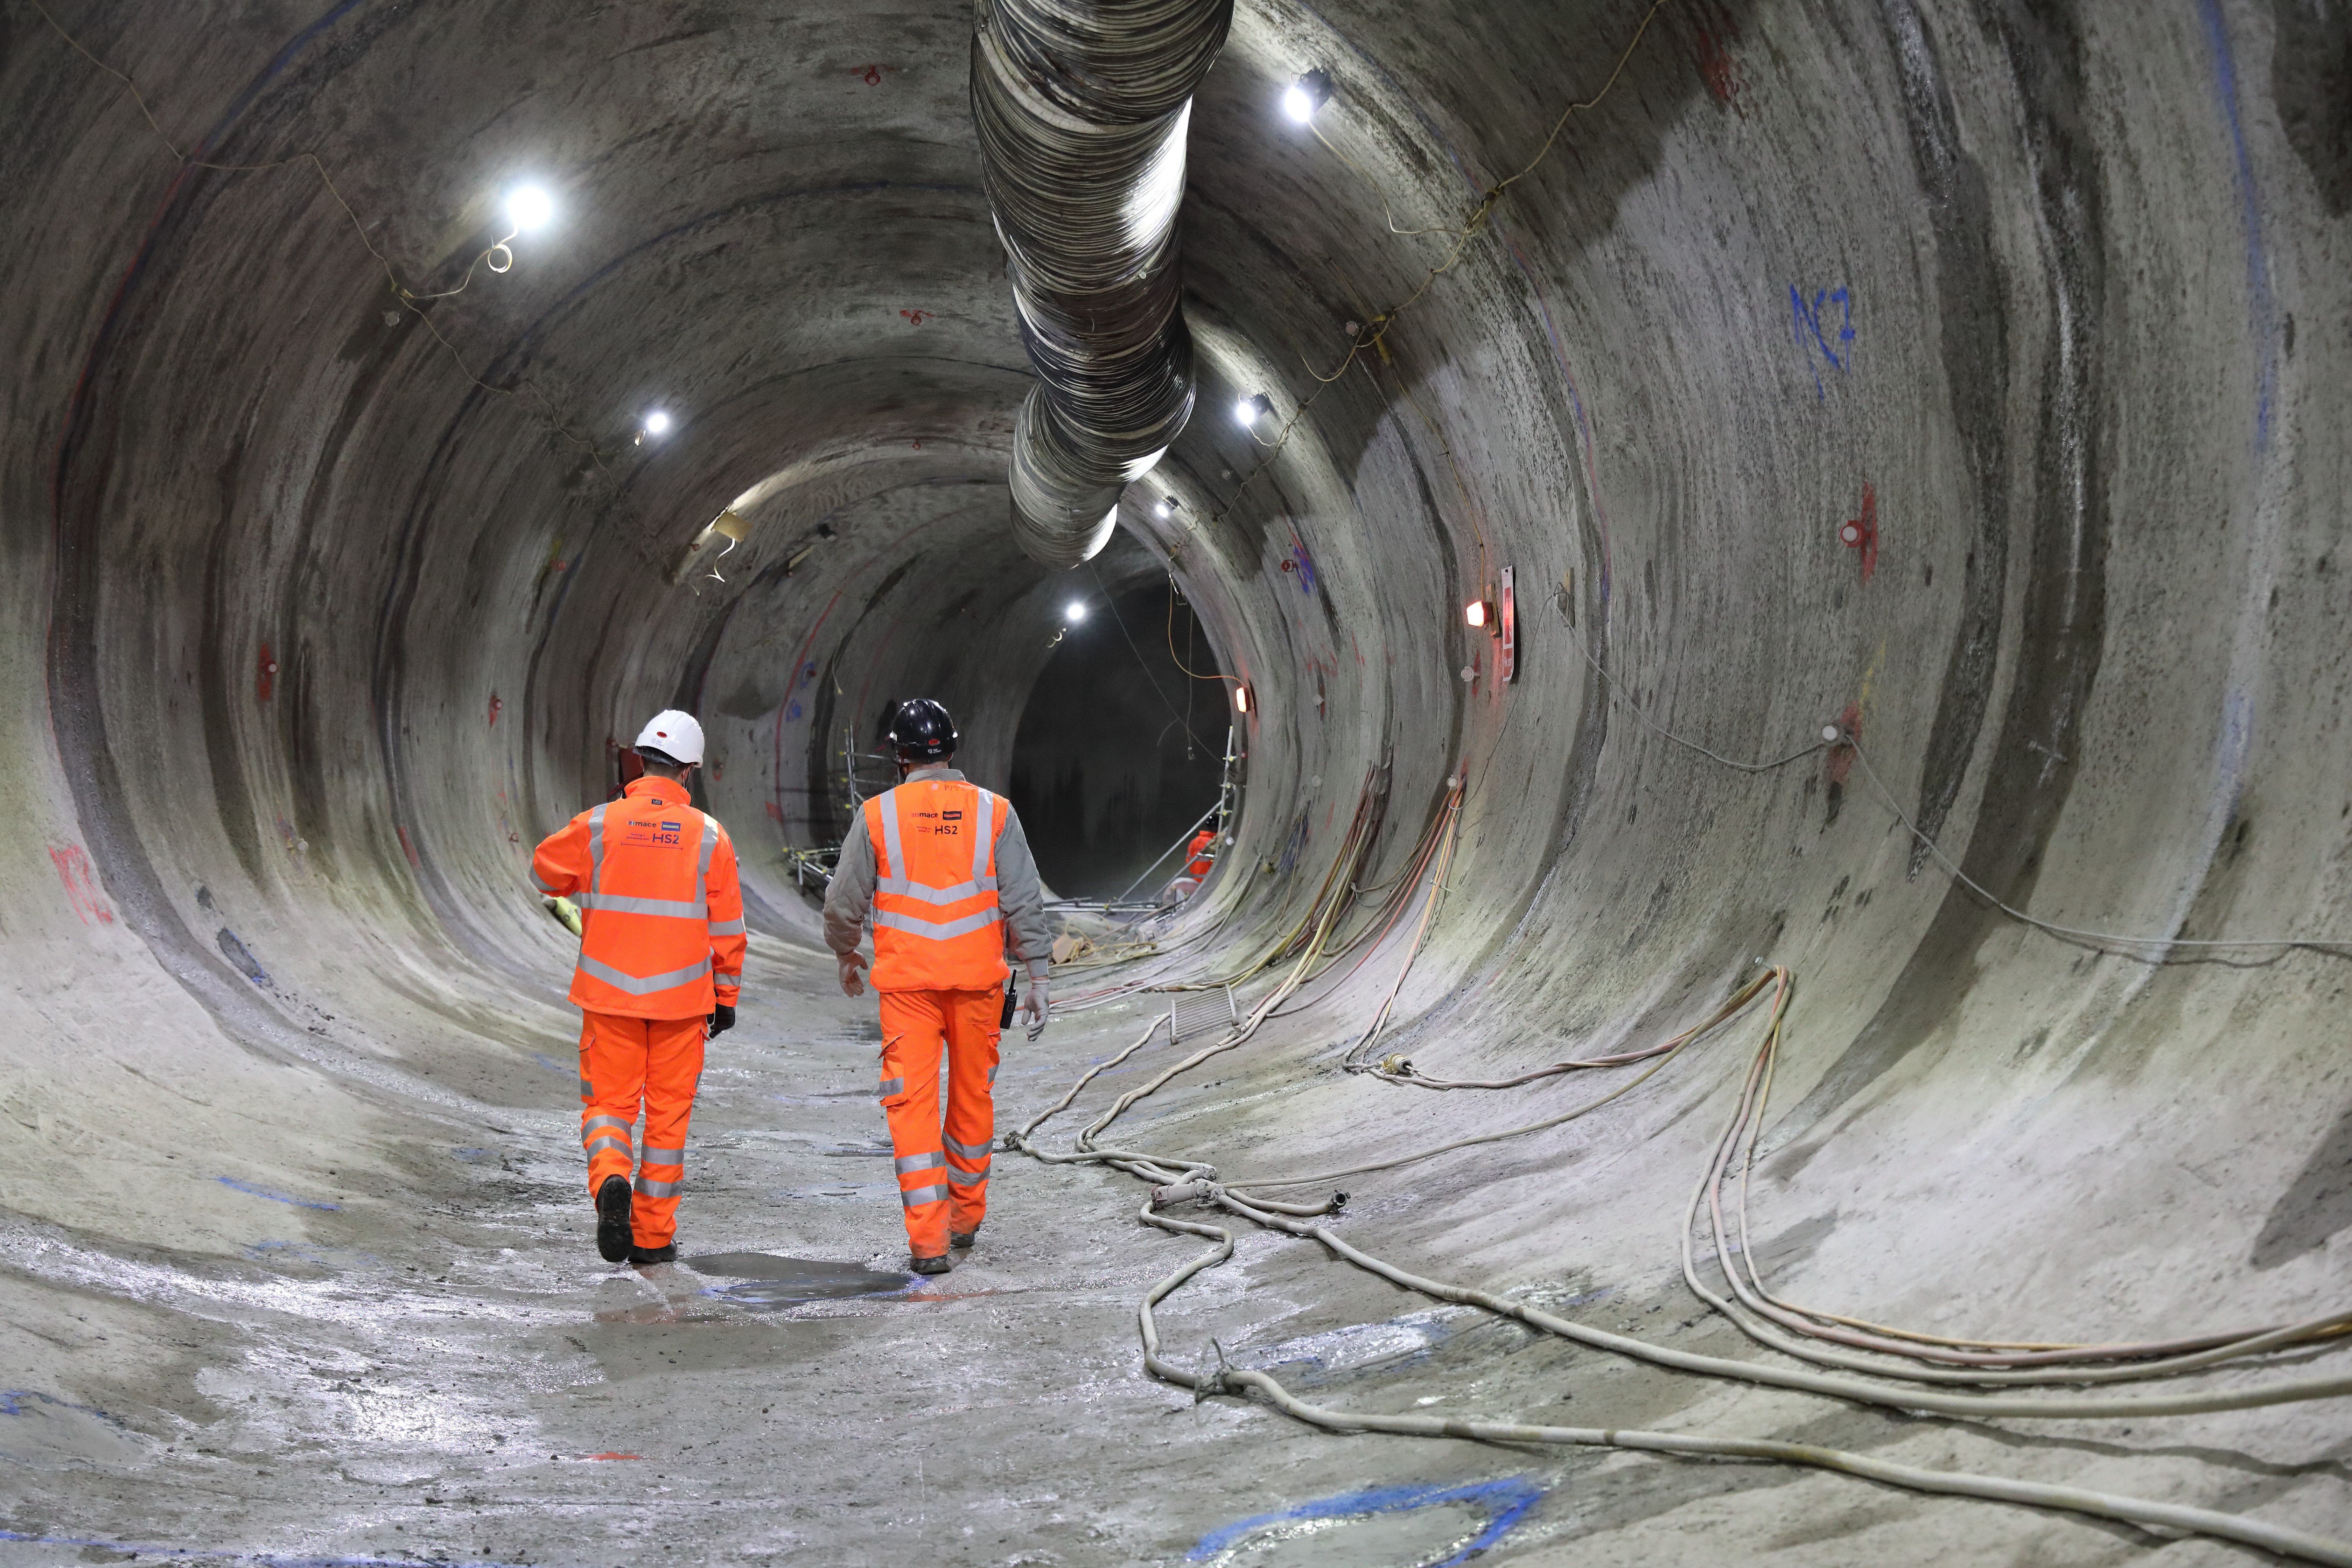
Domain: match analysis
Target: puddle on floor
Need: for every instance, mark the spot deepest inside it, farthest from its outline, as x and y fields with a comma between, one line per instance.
x=766, y=1279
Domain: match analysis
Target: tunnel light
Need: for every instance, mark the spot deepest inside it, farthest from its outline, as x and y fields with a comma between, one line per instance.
x=529, y=207
x=1473, y=613
x=1310, y=93
x=1241, y=699
x=1076, y=612
x=1165, y=509
x=1250, y=410
x=657, y=423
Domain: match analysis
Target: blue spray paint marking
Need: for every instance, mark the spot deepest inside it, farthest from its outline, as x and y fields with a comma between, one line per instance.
x=794, y=710
x=1505, y=1501
x=12, y=1403
x=267, y=1559
x=1306, y=568
x=1808, y=319
x=550, y=1063
x=273, y=1198
x=2259, y=300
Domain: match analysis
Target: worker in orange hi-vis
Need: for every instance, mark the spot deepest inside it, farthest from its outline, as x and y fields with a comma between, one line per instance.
x=942, y=870
x=661, y=965
x=1201, y=860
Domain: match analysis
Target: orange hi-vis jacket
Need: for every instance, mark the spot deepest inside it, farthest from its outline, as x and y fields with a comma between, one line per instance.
x=1201, y=865
x=937, y=926
x=661, y=910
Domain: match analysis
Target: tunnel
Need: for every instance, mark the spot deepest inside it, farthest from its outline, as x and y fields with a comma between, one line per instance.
x=1757, y=590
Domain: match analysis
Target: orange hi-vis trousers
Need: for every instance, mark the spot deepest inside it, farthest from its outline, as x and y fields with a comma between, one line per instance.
x=625, y=1062
x=942, y=1162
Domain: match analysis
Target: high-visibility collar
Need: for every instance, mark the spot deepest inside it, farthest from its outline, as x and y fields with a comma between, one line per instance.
x=652, y=791
x=939, y=770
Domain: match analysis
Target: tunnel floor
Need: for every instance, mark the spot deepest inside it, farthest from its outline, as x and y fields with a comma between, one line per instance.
x=446, y=1373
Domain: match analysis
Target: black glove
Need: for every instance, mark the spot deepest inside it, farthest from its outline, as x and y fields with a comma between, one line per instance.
x=721, y=1019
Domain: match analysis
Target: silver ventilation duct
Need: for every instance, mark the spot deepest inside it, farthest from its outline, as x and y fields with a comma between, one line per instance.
x=1082, y=109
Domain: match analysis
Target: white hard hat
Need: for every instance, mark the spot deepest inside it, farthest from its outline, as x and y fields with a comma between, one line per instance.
x=673, y=734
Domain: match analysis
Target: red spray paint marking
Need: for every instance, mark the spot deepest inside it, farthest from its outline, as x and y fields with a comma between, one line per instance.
x=80, y=878
x=918, y=317
x=495, y=706
x=612, y=1456
x=870, y=75
x=1862, y=532
x=1718, y=67
x=1841, y=763
x=265, y=679
x=409, y=849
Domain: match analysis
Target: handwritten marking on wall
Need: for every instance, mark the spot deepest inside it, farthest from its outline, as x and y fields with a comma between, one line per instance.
x=1813, y=332
x=80, y=880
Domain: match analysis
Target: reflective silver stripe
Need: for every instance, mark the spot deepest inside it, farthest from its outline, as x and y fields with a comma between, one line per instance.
x=593, y=1123
x=653, y=1156
x=991, y=1074
x=728, y=928
x=908, y=1164
x=968, y=1178
x=587, y=1089
x=646, y=1189
x=889, y=810
x=930, y=895
x=644, y=985
x=985, y=839
x=969, y=1151
x=938, y=930
x=893, y=1086
x=615, y=1139
x=595, y=848
x=709, y=843
x=923, y=1196
x=548, y=888
x=622, y=904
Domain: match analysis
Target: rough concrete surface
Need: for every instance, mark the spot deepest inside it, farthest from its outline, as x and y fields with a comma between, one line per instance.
x=317, y=610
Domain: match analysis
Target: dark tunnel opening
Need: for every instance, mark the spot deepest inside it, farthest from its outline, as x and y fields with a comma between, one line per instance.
x=1121, y=747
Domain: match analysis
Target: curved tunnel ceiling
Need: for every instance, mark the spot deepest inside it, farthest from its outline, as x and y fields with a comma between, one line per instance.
x=323, y=607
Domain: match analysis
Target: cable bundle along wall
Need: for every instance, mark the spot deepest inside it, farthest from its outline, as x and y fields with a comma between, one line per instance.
x=1082, y=111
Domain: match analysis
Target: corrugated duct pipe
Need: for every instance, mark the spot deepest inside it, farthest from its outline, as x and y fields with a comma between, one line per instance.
x=1082, y=111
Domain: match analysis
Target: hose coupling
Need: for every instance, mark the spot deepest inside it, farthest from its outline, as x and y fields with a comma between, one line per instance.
x=1178, y=1193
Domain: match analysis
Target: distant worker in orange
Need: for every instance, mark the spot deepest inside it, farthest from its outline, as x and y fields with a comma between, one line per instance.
x=943, y=870
x=1187, y=882
x=661, y=965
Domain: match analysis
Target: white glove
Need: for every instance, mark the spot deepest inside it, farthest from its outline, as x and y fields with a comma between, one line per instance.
x=853, y=974
x=1033, y=1005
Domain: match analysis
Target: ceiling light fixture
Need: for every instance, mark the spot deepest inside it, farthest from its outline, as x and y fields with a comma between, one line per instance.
x=1250, y=410
x=657, y=423
x=1310, y=93
x=529, y=207
x=1076, y=611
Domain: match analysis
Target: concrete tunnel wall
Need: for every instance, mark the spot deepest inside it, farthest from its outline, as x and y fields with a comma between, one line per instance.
x=2060, y=290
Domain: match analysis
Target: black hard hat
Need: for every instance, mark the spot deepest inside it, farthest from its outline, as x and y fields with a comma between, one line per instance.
x=922, y=731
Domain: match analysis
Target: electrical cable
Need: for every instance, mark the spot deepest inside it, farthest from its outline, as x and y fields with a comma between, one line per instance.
x=1184, y=1179
x=2332, y=946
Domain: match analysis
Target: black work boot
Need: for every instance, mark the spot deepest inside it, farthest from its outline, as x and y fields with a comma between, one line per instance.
x=613, y=1219
x=666, y=1253
x=939, y=1265
x=962, y=1240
